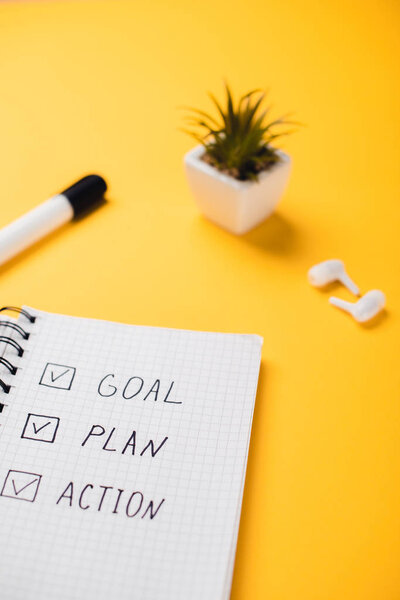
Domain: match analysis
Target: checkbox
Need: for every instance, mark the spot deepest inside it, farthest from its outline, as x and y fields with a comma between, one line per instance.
x=21, y=485
x=57, y=376
x=40, y=428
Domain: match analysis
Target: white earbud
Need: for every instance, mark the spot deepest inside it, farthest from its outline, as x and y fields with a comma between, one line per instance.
x=331, y=270
x=365, y=308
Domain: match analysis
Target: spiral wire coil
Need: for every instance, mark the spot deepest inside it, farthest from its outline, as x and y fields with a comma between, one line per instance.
x=24, y=335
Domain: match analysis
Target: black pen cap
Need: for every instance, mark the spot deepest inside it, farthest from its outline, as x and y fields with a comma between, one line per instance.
x=85, y=194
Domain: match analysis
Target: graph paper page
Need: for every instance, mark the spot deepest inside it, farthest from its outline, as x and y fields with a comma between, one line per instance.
x=123, y=454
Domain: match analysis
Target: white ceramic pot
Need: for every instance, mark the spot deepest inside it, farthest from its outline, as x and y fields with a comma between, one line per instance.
x=235, y=205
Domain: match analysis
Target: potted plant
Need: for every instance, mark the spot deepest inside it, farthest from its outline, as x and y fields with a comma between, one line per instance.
x=235, y=173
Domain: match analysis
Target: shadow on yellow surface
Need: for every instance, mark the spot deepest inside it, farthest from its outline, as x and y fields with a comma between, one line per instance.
x=378, y=320
x=276, y=235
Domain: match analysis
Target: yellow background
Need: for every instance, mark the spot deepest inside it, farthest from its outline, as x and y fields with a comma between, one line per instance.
x=94, y=87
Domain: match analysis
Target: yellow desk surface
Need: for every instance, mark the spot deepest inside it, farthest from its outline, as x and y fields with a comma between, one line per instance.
x=94, y=87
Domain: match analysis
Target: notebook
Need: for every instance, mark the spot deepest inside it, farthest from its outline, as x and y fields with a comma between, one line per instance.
x=123, y=456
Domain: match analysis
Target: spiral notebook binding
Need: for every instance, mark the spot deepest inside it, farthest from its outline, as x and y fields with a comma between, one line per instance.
x=5, y=387
x=19, y=310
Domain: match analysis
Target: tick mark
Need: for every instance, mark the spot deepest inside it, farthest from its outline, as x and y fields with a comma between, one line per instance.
x=21, y=485
x=36, y=430
x=41, y=428
x=57, y=376
x=23, y=488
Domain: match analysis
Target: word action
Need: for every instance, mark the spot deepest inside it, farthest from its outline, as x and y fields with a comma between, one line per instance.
x=107, y=498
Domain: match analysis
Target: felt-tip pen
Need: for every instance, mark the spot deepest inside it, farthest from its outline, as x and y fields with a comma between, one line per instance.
x=73, y=202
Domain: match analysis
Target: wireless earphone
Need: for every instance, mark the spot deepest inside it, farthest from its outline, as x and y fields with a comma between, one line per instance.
x=365, y=308
x=331, y=270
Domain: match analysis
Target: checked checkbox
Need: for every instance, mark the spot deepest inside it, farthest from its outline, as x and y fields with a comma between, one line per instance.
x=57, y=376
x=40, y=428
x=21, y=485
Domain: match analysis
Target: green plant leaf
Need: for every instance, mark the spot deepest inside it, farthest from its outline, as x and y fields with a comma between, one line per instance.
x=240, y=143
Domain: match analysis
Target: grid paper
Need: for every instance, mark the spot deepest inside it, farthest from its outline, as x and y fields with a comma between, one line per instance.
x=104, y=518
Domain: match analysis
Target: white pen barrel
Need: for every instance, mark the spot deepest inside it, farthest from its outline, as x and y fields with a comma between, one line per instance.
x=34, y=225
